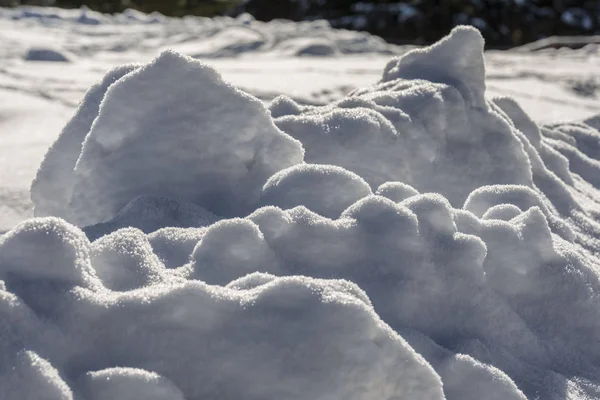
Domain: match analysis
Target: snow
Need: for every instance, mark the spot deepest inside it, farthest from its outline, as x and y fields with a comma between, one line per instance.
x=31, y=376
x=55, y=189
x=46, y=54
x=129, y=384
x=396, y=191
x=417, y=234
x=459, y=53
x=284, y=337
x=421, y=129
x=237, y=157
x=150, y=214
x=325, y=189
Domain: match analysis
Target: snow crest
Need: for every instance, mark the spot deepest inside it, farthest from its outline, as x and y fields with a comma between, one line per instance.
x=414, y=240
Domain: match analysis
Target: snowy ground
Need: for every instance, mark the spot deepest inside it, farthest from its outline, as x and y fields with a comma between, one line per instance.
x=387, y=230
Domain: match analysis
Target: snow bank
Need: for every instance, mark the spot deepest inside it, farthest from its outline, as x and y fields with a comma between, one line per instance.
x=230, y=259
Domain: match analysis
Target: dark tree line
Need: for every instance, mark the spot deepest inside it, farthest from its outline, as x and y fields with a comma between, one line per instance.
x=176, y=8
x=504, y=23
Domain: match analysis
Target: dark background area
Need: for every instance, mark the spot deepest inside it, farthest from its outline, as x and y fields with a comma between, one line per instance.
x=504, y=23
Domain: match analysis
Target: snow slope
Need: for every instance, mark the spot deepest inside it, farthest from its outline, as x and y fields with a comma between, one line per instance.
x=417, y=238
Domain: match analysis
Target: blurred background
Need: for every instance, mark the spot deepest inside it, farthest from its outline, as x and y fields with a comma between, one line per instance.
x=503, y=23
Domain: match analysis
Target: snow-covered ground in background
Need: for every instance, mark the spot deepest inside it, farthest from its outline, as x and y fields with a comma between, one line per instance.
x=401, y=224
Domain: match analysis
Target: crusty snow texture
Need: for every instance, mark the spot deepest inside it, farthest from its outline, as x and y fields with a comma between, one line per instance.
x=414, y=240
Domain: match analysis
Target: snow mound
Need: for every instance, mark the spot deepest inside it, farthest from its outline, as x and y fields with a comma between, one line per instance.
x=46, y=54
x=173, y=246
x=455, y=60
x=65, y=248
x=124, y=260
x=396, y=191
x=474, y=282
x=130, y=151
x=260, y=338
x=425, y=124
x=328, y=190
x=233, y=260
x=504, y=212
x=308, y=47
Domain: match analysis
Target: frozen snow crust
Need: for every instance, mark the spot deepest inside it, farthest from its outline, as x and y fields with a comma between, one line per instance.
x=414, y=240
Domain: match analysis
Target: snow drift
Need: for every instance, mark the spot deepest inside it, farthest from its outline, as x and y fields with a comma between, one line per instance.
x=414, y=240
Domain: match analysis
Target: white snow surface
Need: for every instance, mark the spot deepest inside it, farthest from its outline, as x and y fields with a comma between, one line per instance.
x=422, y=237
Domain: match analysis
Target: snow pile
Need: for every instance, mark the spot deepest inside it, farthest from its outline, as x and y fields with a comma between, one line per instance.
x=73, y=329
x=387, y=132
x=327, y=190
x=174, y=143
x=46, y=54
x=195, y=36
x=414, y=240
